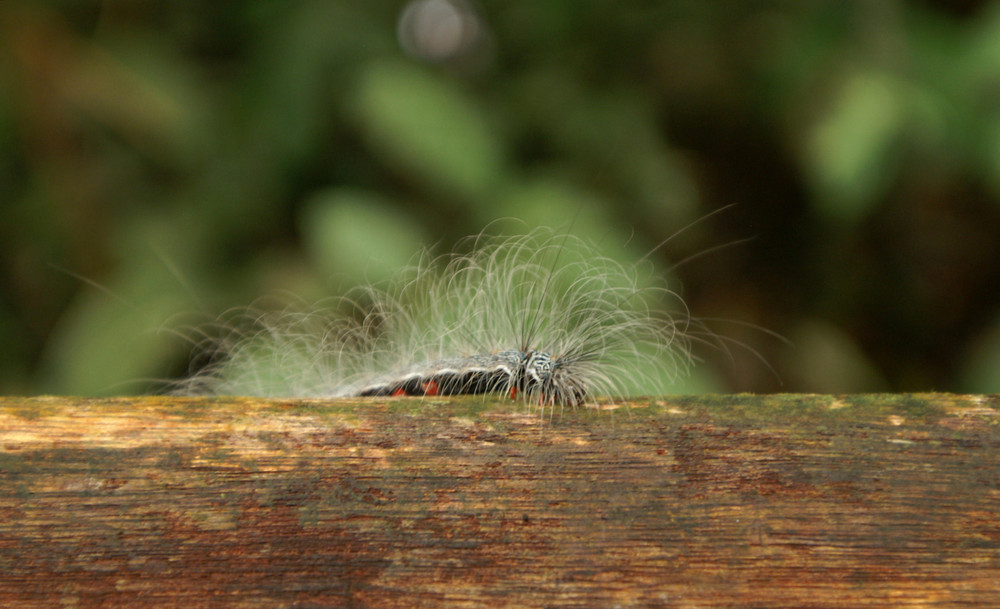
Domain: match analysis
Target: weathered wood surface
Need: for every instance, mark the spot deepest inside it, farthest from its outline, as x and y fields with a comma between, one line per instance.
x=715, y=501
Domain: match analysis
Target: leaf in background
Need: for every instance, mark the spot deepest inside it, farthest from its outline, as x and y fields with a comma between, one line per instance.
x=424, y=123
x=849, y=149
x=828, y=360
x=551, y=201
x=307, y=56
x=110, y=343
x=980, y=372
x=359, y=235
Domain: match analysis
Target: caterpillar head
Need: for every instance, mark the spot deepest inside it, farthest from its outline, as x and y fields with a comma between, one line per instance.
x=549, y=380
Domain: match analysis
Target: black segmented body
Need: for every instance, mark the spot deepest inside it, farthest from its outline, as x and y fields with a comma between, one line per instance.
x=503, y=372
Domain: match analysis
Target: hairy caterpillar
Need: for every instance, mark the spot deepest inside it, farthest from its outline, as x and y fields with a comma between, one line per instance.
x=542, y=317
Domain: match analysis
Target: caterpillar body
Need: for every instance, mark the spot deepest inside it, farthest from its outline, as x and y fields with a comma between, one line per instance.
x=541, y=317
x=510, y=372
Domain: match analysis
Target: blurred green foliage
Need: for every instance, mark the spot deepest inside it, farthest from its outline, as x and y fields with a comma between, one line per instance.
x=162, y=162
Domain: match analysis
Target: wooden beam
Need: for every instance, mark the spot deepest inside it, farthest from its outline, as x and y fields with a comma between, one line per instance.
x=709, y=501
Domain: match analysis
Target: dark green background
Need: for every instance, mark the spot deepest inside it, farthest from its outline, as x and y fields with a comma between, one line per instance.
x=161, y=162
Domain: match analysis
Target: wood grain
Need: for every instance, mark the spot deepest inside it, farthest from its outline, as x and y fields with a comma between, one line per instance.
x=709, y=501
